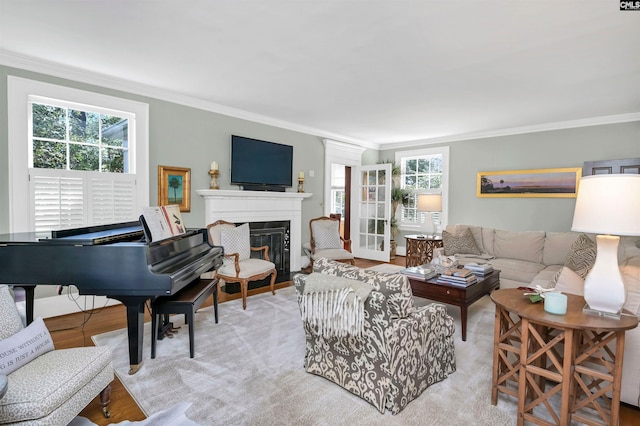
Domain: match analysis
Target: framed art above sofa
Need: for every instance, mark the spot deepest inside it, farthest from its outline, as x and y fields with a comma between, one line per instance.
x=555, y=183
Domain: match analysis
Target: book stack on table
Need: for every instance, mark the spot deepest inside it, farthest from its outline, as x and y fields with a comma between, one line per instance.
x=457, y=276
x=480, y=270
x=422, y=272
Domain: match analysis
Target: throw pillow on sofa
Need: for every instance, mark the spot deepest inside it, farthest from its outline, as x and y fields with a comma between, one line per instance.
x=582, y=255
x=462, y=243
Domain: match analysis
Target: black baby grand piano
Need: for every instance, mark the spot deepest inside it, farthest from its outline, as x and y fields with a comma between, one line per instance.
x=109, y=260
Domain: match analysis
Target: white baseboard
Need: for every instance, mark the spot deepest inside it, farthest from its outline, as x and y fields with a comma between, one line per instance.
x=54, y=306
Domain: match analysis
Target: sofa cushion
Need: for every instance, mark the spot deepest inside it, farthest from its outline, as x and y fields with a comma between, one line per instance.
x=24, y=346
x=567, y=281
x=629, y=247
x=57, y=382
x=395, y=287
x=460, y=243
x=582, y=255
x=547, y=277
x=523, y=245
x=631, y=279
x=556, y=247
x=517, y=270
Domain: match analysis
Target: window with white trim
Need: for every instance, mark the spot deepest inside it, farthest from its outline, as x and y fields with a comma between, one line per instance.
x=337, y=188
x=82, y=157
x=423, y=171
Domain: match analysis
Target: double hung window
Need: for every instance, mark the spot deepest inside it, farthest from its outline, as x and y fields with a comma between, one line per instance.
x=422, y=172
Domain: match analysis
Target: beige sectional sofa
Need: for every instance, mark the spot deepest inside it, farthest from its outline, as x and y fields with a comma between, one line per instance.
x=529, y=258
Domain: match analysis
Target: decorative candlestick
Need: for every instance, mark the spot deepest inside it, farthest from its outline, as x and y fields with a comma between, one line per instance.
x=300, y=184
x=213, y=184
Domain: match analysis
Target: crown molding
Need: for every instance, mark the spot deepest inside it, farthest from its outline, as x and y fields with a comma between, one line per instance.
x=559, y=125
x=28, y=63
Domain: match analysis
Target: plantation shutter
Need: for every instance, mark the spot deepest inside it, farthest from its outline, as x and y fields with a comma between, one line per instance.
x=57, y=202
x=112, y=199
x=63, y=199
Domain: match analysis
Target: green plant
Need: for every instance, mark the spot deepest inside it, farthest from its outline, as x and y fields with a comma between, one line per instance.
x=398, y=195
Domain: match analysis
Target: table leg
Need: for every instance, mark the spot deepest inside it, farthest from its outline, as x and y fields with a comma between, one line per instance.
x=522, y=375
x=567, y=367
x=463, y=320
x=496, y=355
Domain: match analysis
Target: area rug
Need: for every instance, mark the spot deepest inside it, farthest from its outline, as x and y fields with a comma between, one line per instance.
x=248, y=369
x=387, y=268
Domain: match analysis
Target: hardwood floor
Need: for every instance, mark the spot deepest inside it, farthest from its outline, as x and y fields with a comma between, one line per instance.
x=76, y=330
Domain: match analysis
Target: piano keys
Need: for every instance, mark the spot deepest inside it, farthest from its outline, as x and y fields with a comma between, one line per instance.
x=111, y=260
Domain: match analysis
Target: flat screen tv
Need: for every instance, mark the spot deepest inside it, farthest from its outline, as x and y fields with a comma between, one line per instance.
x=260, y=165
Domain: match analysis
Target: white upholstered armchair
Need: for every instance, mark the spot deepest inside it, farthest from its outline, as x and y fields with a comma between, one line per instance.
x=238, y=265
x=326, y=241
x=47, y=386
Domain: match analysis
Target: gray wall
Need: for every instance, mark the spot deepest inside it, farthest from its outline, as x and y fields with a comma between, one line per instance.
x=549, y=149
x=187, y=137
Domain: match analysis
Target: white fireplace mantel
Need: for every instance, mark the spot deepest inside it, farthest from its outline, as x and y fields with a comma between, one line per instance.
x=258, y=206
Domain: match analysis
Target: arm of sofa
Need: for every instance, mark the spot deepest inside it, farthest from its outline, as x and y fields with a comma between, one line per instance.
x=421, y=351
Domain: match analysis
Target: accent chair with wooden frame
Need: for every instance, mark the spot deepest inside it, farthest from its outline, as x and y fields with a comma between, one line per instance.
x=326, y=241
x=238, y=265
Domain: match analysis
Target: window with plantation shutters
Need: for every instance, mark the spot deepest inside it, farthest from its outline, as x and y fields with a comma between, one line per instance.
x=423, y=171
x=77, y=158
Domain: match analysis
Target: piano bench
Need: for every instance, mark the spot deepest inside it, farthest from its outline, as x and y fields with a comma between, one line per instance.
x=187, y=301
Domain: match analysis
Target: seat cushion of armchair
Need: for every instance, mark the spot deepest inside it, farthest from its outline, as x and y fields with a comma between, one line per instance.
x=55, y=387
x=332, y=253
x=248, y=268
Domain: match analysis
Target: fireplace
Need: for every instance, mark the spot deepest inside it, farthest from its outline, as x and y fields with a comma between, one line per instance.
x=276, y=236
x=259, y=207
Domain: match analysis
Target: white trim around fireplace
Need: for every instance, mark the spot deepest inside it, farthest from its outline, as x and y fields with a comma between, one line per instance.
x=258, y=206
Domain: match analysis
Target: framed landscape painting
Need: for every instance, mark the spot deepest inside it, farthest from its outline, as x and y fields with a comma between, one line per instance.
x=530, y=183
x=174, y=187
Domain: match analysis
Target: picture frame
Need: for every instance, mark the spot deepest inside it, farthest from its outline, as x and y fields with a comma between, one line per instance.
x=174, y=187
x=553, y=183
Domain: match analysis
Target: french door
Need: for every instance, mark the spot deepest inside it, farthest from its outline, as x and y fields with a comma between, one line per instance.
x=371, y=211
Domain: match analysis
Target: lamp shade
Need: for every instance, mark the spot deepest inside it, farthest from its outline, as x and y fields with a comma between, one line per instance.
x=608, y=204
x=430, y=203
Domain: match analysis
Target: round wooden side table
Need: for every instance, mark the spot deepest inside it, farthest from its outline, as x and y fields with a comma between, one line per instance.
x=537, y=355
x=420, y=249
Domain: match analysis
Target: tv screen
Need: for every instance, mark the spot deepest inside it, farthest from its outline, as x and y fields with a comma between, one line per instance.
x=260, y=163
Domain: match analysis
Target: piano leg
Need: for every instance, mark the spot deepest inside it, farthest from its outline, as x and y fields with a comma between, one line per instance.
x=29, y=293
x=135, y=329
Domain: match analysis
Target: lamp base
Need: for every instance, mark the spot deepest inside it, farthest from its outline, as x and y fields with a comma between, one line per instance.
x=590, y=311
x=603, y=287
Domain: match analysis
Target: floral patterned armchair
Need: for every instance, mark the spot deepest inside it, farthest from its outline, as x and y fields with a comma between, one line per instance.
x=403, y=349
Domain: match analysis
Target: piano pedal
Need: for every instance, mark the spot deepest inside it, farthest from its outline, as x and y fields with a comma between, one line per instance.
x=174, y=329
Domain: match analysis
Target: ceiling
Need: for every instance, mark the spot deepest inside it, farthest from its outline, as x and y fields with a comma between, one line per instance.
x=377, y=73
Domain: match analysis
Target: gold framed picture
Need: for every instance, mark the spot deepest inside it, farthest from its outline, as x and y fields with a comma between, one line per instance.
x=174, y=187
x=557, y=183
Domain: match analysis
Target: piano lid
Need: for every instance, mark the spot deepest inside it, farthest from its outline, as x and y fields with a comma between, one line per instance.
x=90, y=235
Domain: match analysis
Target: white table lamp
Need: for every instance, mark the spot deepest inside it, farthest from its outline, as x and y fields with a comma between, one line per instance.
x=430, y=203
x=607, y=204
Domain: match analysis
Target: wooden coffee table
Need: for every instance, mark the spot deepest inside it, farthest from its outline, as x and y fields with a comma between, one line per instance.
x=462, y=297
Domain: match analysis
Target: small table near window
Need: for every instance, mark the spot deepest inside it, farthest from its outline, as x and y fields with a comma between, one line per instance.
x=420, y=249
